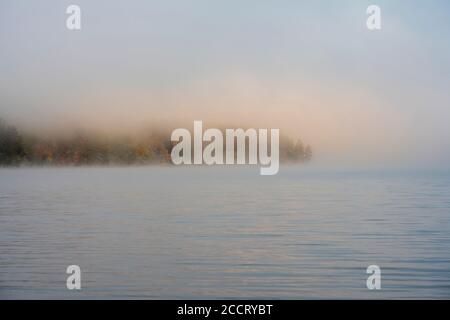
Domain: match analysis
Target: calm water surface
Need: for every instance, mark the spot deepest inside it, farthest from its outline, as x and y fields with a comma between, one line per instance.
x=169, y=232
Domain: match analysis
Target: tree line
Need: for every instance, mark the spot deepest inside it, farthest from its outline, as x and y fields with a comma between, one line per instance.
x=81, y=148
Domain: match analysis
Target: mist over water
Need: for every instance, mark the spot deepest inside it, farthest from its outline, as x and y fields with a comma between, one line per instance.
x=98, y=105
x=311, y=69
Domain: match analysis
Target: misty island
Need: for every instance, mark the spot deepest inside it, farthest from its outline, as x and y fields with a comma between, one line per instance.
x=78, y=148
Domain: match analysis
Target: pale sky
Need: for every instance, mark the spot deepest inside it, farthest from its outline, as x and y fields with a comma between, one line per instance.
x=310, y=68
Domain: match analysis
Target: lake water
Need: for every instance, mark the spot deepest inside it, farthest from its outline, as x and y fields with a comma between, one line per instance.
x=170, y=232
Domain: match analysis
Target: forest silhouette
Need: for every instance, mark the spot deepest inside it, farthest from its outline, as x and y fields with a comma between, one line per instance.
x=82, y=148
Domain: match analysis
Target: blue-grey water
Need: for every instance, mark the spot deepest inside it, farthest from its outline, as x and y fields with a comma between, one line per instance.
x=169, y=232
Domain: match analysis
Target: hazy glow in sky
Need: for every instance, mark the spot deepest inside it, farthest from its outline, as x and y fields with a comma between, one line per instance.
x=310, y=68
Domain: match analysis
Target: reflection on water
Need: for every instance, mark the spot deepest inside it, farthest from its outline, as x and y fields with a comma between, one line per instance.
x=223, y=233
